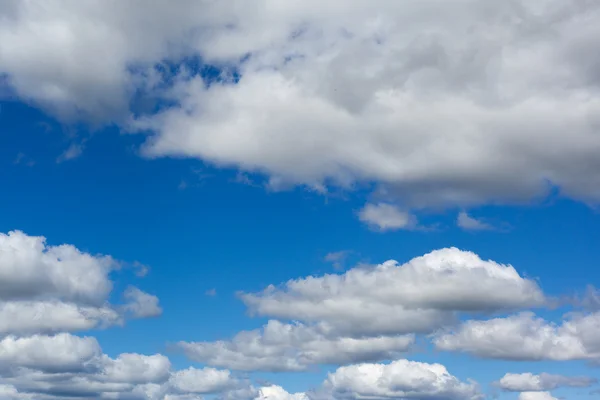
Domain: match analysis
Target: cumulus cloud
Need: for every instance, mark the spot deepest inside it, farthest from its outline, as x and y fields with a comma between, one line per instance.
x=467, y=222
x=528, y=382
x=417, y=296
x=30, y=269
x=64, y=365
x=401, y=379
x=293, y=347
x=526, y=337
x=141, y=304
x=51, y=289
x=536, y=396
x=443, y=103
x=386, y=217
x=278, y=393
x=59, y=353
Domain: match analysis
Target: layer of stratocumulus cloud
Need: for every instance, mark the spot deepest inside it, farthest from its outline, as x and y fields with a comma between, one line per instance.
x=441, y=102
x=417, y=296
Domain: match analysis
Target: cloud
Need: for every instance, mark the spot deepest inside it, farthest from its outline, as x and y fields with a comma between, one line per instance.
x=466, y=222
x=401, y=379
x=72, y=152
x=51, y=289
x=337, y=258
x=59, y=353
x=278, y=393
x=526, y=337
x=31, y=269
x=207, y=380
x=401, y=96
x=386, y=217
x=528, y=382
x=536, y=396
x=64, y=365
x=293, y=347
x=141, y=304
x=393, y=298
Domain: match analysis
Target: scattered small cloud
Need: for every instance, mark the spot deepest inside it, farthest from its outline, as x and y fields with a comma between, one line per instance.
x=23, y=159
x=387, y=217
x=73, y=151
x=141, y=304
x=469, y=223
x=211, y=292
x=337, y=258
x=141, y=270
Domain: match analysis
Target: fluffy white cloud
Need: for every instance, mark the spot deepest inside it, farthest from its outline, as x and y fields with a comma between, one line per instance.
x=30, y=269
x=392, y=298
x=536, y=396
x=59, y=353
x=207, y=380
x=29, y=317
x=525, y=337
x=54, y=367
x=293, y=347
x=136, y=368
x=278, y=393
x=49, y=289
x=442, y=102
x=401, y=379
x=529, y=382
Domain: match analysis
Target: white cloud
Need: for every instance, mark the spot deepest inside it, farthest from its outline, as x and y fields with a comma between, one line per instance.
x=528, y=382
x=278, y=393
x=536, y=396
x=59, y=353
x=293, y=347
x=467, y=222
x=401, y=379
x=29, y=317
x=442, y=102
x=50, y=289
x=386, y=217
x=392, y=298
x=207, y=380
x=54, y=367
x=30, y=269
x=141, y=304
x=525, y=337
x=136, y=368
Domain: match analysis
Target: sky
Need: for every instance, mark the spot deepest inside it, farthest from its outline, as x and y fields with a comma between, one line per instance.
x=299, y=200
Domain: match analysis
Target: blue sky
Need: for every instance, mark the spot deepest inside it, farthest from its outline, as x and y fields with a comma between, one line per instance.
x=205, y=190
